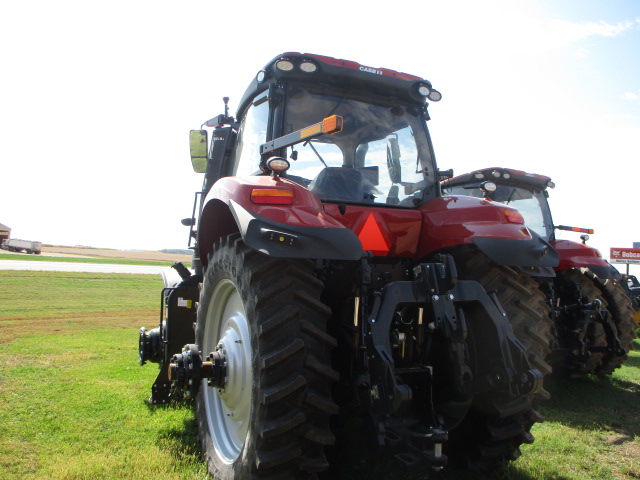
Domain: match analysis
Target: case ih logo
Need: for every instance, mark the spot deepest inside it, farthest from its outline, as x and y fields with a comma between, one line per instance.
x=625, y=255
x=371, y=70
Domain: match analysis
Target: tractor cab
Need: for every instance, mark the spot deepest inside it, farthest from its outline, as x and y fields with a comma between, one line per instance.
x=523, y=191
x=382, y=155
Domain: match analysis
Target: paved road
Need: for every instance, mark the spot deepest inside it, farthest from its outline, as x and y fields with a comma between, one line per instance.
x=80, y=267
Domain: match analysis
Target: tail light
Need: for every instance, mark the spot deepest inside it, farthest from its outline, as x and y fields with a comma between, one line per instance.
x=513, y=216
x=272, y=196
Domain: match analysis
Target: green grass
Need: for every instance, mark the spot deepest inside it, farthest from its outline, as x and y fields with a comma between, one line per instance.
x=107, y=260
x=73, y=398
x=592, y=428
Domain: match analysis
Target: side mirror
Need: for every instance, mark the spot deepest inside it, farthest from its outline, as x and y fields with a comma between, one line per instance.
x=393, y=160
x=198, y=148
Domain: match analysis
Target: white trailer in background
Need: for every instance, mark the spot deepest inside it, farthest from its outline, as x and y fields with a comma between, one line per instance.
x=17, y=245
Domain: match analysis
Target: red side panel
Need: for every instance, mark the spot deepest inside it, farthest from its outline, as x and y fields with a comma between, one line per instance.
x=438, y=224
x=455, y=220
x=387, y=232
x=576, y=255
x=305, y=210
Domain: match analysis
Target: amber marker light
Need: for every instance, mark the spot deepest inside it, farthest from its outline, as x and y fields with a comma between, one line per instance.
x=272, y=196
x=329, y=125
x=590, y=231
x=311, y=131
x=583, y=230
x=513, y=216
x=332, y=124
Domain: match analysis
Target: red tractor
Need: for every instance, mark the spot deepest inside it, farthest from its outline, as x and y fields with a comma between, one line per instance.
x=332, y=278
x=593, y=315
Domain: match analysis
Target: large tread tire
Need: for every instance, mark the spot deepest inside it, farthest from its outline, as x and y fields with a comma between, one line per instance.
x=523, y=301
x=623, y=316
x=490, y=436
x=573, y=280
x=487, y=440
x=271, y=419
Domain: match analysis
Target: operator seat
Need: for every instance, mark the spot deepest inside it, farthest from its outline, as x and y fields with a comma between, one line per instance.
x=344, y=184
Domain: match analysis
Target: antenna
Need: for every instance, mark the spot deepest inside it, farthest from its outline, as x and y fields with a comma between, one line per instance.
x=226, y=106
x=220, y=120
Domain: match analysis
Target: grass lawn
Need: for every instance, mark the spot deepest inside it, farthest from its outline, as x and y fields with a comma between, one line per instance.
x=73, y=398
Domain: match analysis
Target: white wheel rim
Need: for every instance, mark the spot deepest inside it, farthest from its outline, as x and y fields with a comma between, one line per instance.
x=228, y=410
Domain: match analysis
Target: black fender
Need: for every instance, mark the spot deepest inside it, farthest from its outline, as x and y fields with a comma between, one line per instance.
x=535, y=256
x=294, y=241
x=608, y=272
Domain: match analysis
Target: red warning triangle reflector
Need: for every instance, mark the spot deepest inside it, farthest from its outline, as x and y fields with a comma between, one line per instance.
x=373, y=238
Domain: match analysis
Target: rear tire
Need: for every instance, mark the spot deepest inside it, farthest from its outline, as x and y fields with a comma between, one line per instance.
x=271, y=419
x=495, y=428
x=523, y=301
x=568, y=283
x=622, y=314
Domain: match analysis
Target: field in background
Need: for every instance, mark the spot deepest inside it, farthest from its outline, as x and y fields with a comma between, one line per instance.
x=73, y=398
x=99, y=255
x=53, y=250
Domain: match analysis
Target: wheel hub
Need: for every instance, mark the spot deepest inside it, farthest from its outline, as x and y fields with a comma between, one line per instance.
x=187, y=370
x=228, y=403
x=232, y=386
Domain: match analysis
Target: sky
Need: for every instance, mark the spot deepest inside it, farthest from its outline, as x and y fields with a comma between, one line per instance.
x=97, y=99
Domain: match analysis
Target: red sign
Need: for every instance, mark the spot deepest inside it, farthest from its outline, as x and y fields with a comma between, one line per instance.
x=373, y=237
x=625, y=255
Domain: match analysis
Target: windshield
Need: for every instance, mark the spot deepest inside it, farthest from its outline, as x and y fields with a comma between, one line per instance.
x=531, y=204
x=382, y=155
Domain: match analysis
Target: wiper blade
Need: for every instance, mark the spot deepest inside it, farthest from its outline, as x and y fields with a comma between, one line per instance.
x=308, y=142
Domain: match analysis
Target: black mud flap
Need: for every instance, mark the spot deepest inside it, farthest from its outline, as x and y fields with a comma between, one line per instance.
x=291, y=241
x=535, y=256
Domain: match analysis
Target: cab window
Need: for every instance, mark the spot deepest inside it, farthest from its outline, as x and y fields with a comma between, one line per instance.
x=251, y=134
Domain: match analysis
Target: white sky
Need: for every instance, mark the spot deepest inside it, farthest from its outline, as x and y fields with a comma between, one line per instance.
x=97, y=98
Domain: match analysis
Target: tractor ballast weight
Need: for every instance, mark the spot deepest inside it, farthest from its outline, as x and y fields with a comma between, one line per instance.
x=330, y=271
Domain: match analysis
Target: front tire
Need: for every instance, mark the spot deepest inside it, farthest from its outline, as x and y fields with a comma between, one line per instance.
x=271, y=418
